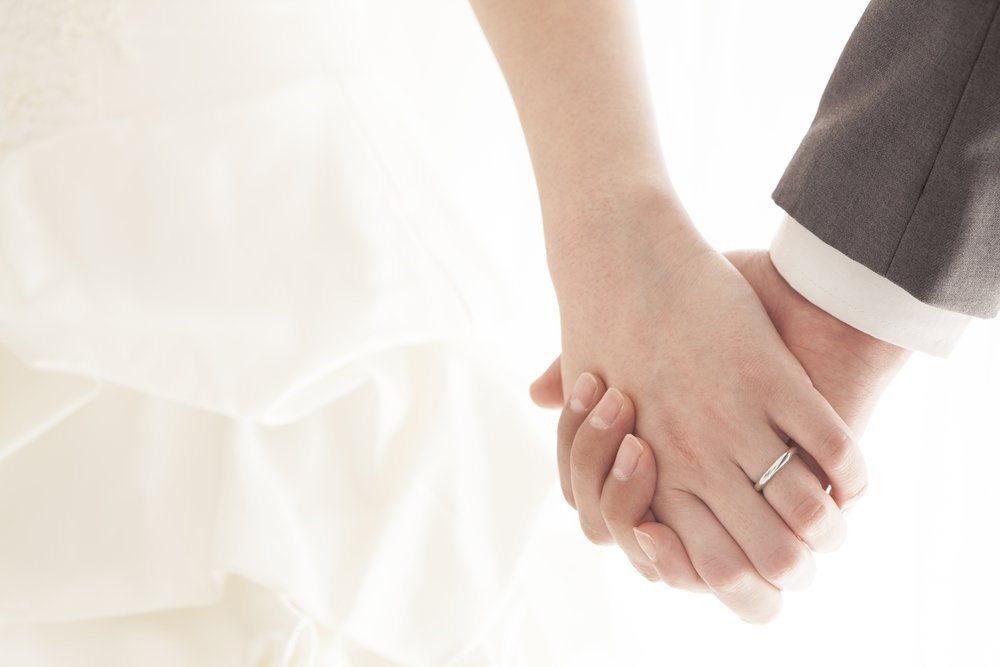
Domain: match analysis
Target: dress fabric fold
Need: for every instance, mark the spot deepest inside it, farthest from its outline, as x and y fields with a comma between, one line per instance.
x=247, y=412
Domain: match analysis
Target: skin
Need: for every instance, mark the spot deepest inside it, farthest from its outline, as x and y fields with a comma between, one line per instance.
x=655, y=312
x=849, y=367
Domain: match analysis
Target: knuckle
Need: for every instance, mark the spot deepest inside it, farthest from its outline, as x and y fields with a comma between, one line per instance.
x=679, y=581
x=580, y=459
x=648, y=573
x=612, y=511
x=596, y=536
x=568, y=495
x=566, y=431
x=754, y=371
x=840, y=448
x=783, y=563
x=858, y=495
x=725, y=575
x=772, y=379
x=792, y=374
x=810, y=516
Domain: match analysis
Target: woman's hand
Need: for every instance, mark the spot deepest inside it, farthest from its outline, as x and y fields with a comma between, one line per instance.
x=716, y=395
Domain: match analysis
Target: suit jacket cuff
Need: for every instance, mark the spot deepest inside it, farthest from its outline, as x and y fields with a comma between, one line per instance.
x=862, y=298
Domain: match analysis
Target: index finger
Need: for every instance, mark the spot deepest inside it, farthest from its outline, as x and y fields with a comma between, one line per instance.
x=582, y=399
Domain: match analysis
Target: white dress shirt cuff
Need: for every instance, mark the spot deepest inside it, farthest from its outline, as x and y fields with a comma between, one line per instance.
x=855, y=294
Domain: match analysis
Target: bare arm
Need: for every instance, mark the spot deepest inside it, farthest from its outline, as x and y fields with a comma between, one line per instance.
x=665, y=320
x=575, y=70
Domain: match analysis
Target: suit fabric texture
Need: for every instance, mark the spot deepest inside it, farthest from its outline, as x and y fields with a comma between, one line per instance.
x=900, y=169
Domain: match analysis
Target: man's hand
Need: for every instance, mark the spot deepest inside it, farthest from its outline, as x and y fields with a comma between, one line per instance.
x=849, y=367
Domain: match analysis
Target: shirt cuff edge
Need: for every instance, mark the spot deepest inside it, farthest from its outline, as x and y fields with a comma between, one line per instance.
x=860, y=297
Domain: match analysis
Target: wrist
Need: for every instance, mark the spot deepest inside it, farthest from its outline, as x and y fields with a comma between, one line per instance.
x=878, y=356
x=881, y=356
x=614, y=230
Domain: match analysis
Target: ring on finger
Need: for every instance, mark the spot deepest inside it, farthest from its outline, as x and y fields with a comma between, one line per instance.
x=775, y=467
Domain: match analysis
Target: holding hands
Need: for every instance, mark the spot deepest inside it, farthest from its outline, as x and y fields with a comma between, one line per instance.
x=700, y=358
x=714, y=394
x=660, y=504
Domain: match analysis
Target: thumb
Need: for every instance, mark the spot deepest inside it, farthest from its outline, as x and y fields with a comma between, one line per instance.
x=547, y=391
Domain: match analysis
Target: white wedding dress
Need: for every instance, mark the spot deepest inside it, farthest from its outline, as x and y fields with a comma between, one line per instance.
x=252, y=406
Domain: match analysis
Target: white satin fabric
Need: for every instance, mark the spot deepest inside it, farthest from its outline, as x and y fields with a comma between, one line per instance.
x=249, y=410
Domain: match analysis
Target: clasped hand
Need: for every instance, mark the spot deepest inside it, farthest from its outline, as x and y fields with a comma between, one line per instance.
x=700, y=376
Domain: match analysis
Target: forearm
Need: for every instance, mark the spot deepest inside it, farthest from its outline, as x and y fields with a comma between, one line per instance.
x=575, y=71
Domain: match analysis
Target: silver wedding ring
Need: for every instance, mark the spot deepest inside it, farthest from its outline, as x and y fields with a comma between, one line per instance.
x=775, y=467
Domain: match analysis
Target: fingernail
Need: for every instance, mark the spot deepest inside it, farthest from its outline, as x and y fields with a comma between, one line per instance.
x=607, y=410
x=646, y=544
x=628, y=457
x=583, y=393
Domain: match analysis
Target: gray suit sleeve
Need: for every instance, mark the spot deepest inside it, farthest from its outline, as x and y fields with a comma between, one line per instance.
x=900, y=169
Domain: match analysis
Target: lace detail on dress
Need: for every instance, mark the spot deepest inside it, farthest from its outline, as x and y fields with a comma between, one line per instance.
x=51, y=56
